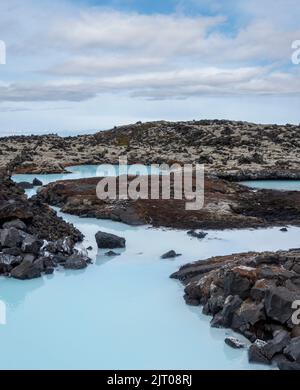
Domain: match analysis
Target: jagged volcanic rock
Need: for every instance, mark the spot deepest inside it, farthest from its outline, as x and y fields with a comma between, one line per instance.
x=31, y=235
x=252, y=293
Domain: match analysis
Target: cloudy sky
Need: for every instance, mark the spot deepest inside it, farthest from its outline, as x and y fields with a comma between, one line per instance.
x=82, y=65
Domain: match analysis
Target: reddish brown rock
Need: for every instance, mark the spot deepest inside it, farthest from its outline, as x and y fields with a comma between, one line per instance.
x=227, y=205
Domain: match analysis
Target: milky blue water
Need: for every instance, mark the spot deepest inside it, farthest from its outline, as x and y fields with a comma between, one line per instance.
x=288, y=185
x=124, y=312
x=87, y=171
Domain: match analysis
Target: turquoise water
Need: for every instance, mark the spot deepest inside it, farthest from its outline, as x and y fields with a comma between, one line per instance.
x=288, y=185
x=124, y=312
x=87, y=171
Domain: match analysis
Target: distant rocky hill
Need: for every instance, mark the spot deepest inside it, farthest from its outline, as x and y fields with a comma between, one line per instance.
x=236, y=150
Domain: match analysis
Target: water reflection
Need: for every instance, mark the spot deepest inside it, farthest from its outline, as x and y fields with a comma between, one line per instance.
x=103, y=257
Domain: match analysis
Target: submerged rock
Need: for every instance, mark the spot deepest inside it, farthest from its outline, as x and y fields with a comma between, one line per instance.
x=112, y=253
x=199, y=235
x=110, y=241
x=170, y=255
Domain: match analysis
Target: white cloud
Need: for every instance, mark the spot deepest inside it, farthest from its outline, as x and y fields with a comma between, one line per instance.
x=105, y=65
x=145, y=54
x=111, y=30
x=171, y=37
x=160, y=85
x=59, y=51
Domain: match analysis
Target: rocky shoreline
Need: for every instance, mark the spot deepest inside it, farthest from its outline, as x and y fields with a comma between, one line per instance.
x=33, y=239
x=253, y=294
x=231, y=150
x=227, y=205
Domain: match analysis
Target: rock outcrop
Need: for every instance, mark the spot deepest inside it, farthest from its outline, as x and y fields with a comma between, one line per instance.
x=109, y=241
x=24, y=256
x=170, y=255
x=255, y=295
x=226, y=205
x=33, y=237
x=39, y=218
